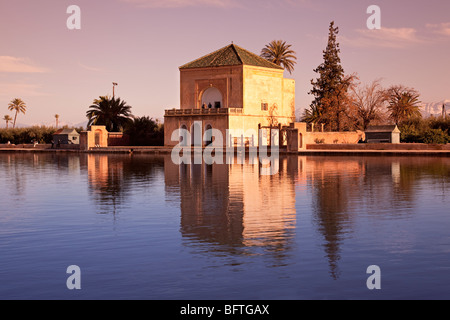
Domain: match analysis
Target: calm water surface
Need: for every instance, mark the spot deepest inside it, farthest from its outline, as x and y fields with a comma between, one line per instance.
x=140, y=227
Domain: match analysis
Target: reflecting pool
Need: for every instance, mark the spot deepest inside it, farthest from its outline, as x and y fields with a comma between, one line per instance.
x=141, y=227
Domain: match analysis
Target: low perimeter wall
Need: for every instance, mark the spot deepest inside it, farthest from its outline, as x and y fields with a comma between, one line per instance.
x=351, y=137
x=378, y=146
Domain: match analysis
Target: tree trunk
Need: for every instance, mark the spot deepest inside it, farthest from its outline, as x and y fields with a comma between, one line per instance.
x=15, y=118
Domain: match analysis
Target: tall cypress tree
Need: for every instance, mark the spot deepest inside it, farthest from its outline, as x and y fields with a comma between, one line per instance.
x=329, y=87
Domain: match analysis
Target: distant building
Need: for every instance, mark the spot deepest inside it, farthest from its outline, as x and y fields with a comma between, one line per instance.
x=230, y=89
x=383, y=134
x=95, y=137
x=66, y=136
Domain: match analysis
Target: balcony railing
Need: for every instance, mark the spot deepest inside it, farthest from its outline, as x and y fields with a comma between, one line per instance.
x=189, y=112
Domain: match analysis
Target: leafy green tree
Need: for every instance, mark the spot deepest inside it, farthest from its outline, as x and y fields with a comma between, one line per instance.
x=113, y=113
x=435, y=136
x=280, y=53
x=403, y=104
x=330, y=89
x=144, y=131
x=18, y=106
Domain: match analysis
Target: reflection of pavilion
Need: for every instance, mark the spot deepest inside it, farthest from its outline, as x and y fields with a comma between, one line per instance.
x=234, y=209
x=233, y=206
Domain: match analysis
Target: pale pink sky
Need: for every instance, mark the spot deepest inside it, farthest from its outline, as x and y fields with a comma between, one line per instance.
x=141, y=43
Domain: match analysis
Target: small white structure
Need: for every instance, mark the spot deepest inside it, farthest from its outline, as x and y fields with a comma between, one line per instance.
x=383, y=134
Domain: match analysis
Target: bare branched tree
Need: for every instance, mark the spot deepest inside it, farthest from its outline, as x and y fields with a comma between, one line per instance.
x=370, y=102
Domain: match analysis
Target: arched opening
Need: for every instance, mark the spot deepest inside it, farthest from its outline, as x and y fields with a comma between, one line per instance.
x=183, y=136
x=300, y=141
x=208, y=135
x=211, y=98
x=98, y=138
x=196, y=134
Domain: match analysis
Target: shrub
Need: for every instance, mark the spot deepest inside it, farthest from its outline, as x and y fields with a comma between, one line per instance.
x=440, y=123
x=42, y=135
x=435, y=136
x=144, y=131
x=319, y=141
x=430, y=131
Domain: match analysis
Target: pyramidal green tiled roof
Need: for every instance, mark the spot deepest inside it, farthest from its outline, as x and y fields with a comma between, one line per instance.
x=231, y=55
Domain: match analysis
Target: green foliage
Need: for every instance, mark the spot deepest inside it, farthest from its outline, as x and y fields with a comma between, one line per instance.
x=430, y=131
x=278, y=52
x=435, y=136
x=319, y=141
x=440, y=123
x=144, y=131
x=18, y=106
x=42, y=135
x=403, y=104
x=113, y=113
x=331, y=101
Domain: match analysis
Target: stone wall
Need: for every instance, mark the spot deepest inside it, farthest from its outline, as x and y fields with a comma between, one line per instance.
x=262, y=85
x=306, y=138
x=97, y=136
x=379, y=146
x=118, y=139
x=352, y=137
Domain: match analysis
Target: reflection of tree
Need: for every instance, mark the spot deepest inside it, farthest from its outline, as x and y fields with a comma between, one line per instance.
x=335, y=182
x=13, y=174
x=22, y=172
x=376, y=186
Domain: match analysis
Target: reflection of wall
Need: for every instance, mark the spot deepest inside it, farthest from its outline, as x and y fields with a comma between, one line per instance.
x=106, y=181
x=98, y=171
x=269, y=206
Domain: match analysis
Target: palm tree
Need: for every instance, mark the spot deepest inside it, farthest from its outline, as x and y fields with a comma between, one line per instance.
x=403, y=104
x=312, y=115
x=7, y=118
x=278, y=52
x=56, y=118
x=17, y=105
x=113, y=113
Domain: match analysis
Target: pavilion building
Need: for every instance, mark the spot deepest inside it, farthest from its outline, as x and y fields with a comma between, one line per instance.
x=230, y=89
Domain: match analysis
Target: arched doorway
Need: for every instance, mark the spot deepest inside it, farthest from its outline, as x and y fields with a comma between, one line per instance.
x=300, y=141
x=208, y=135
x=183, y=136
x=211, y=98
x=98, y=138
x=196, y=134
